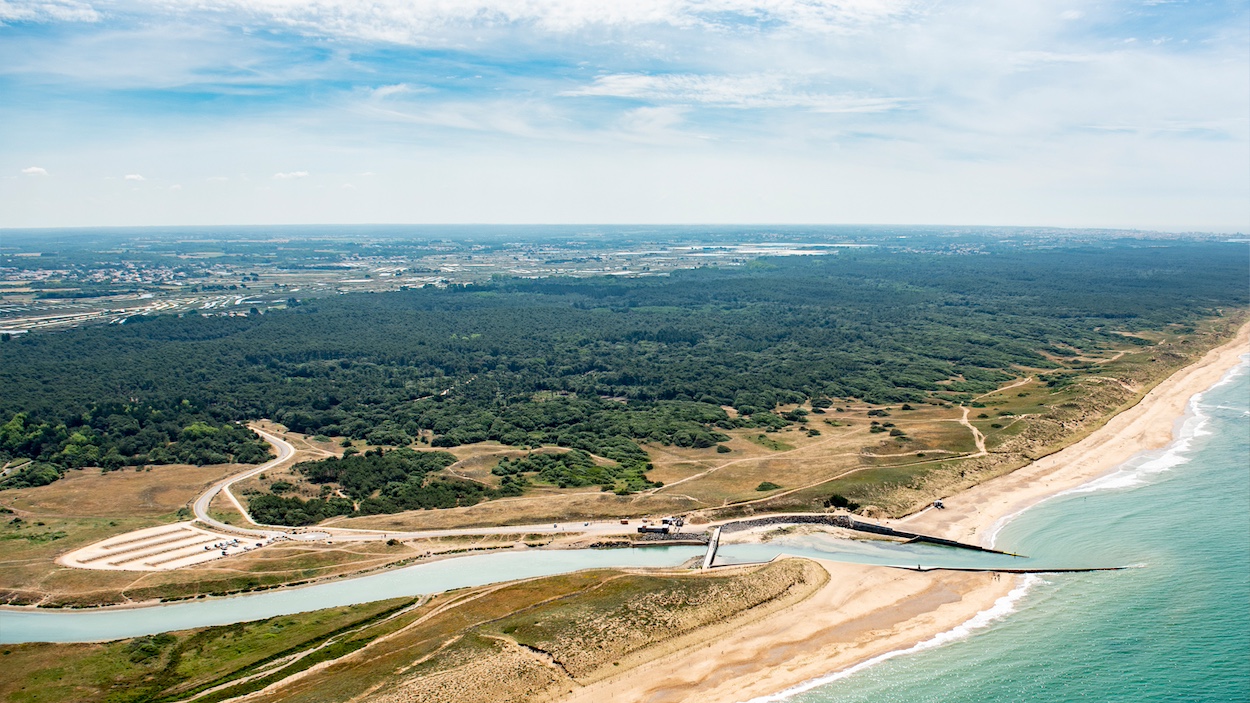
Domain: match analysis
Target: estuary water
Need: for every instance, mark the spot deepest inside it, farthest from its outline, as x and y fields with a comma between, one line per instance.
x=435, y=577
x=114, y=623
x=1177, y=629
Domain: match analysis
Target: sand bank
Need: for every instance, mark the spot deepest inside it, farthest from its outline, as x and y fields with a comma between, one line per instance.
x=863, y=612
x=866, y=611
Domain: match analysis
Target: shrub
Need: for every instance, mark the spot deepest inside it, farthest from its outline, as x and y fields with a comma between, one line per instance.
x=840, y=501
x=767, y=486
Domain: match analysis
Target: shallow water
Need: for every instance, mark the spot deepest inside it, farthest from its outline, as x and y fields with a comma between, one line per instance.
x=880, y=552
x=87, y=626
x=1177, y=629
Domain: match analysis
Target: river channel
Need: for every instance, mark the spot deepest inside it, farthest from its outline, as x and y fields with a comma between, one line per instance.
x=117, y=622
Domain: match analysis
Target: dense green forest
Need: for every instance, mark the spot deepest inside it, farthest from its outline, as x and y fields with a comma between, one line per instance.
x=115, y=435
x=377, y=481
x=595, y=364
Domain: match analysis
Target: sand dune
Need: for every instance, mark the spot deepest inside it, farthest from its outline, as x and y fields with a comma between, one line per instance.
x=866, y=611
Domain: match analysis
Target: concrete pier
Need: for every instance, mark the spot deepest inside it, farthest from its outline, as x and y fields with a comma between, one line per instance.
x=711, y=548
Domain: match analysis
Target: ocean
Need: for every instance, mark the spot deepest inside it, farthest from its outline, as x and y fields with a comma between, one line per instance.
x=1175, y=629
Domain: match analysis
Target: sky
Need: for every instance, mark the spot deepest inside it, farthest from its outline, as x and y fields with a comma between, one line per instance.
x=1115, y=113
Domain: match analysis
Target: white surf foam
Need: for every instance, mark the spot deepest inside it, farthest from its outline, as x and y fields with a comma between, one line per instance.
x=1134, y=472
x=1140, y=469
x=1194, y=424
x=1002, y=607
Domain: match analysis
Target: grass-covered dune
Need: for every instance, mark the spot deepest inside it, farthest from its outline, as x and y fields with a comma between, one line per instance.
x=494, y=642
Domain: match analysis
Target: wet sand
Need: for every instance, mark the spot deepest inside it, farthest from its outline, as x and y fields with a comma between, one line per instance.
x=867, y=611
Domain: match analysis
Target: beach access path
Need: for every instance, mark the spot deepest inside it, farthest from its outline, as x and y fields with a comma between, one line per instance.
x=976, y=514
x=869, y=611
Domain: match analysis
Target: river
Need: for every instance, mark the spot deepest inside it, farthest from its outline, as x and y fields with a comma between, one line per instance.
x=1176, y=629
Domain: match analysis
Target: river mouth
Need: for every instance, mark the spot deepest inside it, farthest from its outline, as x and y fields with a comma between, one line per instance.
x=874, y=552
x=469, y=571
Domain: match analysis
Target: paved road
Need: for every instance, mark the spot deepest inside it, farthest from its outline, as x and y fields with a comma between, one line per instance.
x=342, y=534
x=200, y=507
x=602, y=527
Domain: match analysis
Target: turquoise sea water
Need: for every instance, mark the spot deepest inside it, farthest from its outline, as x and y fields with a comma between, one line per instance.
x=1177, y=629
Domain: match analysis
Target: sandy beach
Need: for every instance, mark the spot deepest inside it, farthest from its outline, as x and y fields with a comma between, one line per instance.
x=1148, y=425
x=866, y=611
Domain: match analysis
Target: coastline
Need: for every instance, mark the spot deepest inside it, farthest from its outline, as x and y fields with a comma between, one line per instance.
x=868, y=613
x=1149, y=425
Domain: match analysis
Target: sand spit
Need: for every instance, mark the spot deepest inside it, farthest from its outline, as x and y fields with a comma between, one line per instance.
x=862, y=612
x=867, y=611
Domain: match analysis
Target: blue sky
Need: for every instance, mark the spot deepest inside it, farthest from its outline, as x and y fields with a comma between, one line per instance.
x=1121, y=113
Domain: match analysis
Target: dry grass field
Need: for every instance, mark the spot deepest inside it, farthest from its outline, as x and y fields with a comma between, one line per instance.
x=152, y=492
x=924, y=453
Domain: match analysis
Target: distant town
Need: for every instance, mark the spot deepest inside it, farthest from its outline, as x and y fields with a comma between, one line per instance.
x=100, y=276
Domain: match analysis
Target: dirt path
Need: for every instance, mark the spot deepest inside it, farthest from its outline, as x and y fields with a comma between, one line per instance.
x=976, y=436
x=1017, y=384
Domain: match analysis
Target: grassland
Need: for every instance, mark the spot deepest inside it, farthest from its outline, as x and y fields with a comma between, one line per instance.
x=934, y=454
x=180, y=665
x=527, y=637
x=87, y=506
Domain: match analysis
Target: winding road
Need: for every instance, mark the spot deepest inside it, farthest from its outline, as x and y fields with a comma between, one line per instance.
x=344, y=534
x=200, y=506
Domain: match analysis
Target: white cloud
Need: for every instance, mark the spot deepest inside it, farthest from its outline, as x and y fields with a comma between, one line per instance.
x=386, y=91
x=846, y=103
x=134, y=177
x=409, y=22
x=653, y=119
x=217, y=179
x=176, y=186
x=46, y=11
x=35, y=171
x=746, y=91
